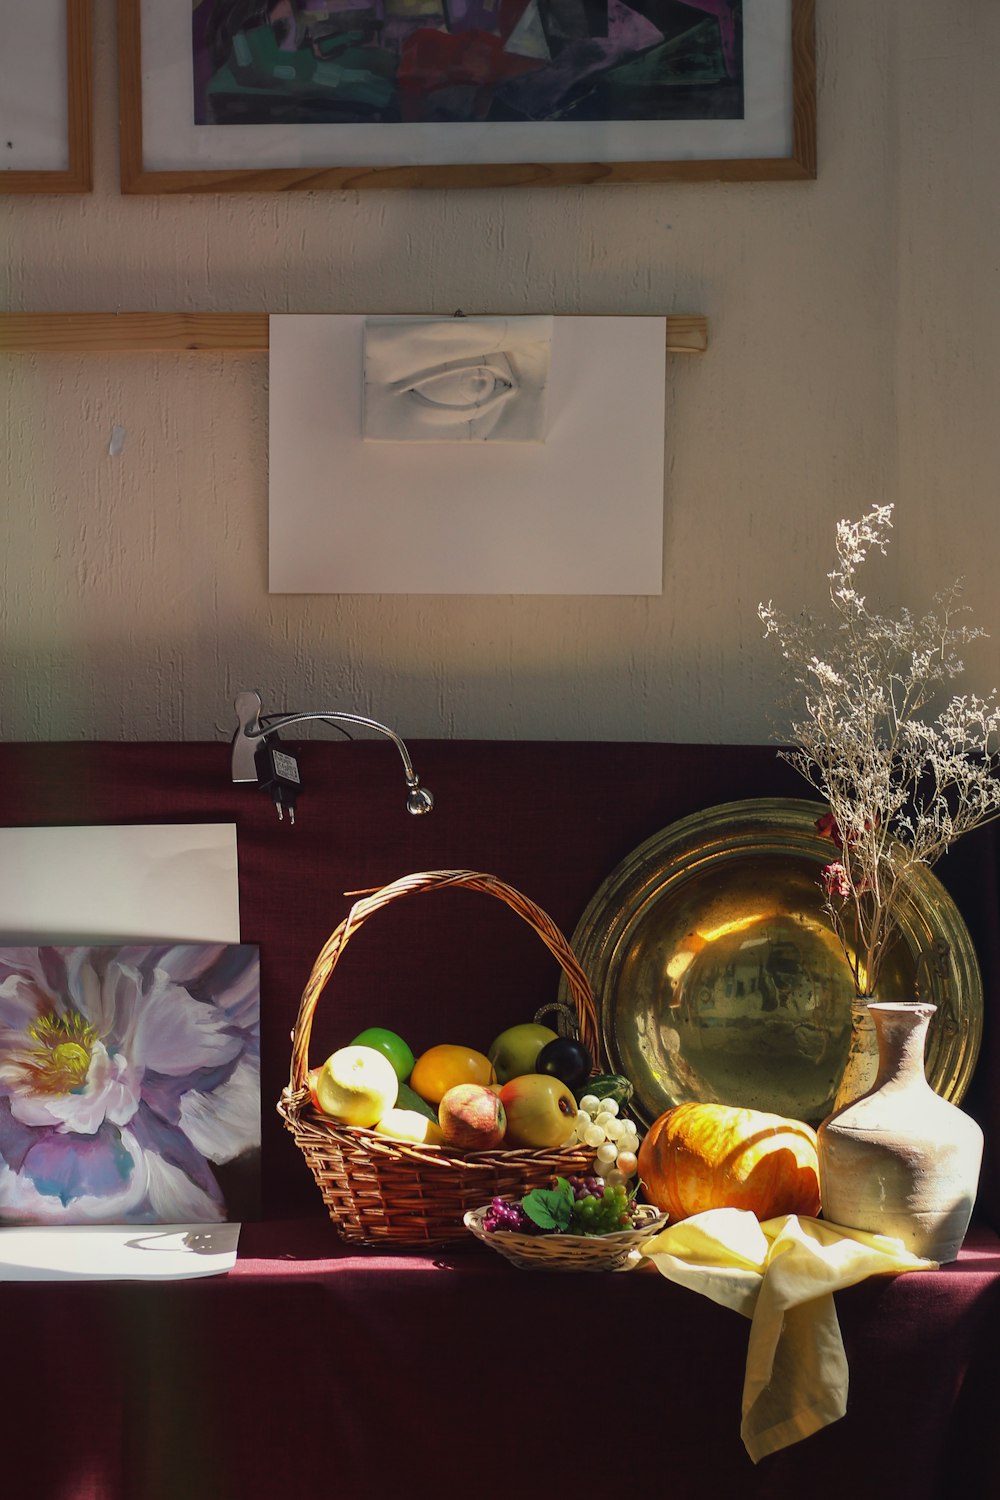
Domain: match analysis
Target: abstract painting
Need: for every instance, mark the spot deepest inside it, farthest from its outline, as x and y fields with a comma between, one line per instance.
x=456, y=379
x=129, y=1084
x=273, y=95
x=415, y=61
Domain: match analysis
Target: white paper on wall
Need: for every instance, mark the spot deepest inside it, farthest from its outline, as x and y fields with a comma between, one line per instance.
x=109, y=884
x=580, y=513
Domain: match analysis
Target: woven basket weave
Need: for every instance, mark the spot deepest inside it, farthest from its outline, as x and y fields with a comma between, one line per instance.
x=617, y=1251
x=382, y=1192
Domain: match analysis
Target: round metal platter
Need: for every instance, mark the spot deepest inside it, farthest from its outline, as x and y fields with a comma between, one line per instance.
x=718, y=977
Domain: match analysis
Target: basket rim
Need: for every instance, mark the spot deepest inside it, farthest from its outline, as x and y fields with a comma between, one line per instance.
x=473, y=1219
x=299, y=1115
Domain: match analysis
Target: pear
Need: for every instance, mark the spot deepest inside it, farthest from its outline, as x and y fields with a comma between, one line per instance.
x=514, y=1051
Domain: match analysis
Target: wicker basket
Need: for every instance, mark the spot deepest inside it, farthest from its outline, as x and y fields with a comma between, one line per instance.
x=388, y=1193
x=617, y=1251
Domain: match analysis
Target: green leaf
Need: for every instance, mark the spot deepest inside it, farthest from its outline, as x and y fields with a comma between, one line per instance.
x=550, y=1208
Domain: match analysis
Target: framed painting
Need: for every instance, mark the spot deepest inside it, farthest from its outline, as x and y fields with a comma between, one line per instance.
x=271, y=95
x=129, y=1084
x=45, y=97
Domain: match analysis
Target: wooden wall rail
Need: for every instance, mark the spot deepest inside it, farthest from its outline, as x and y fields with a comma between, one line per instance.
x=226, y=333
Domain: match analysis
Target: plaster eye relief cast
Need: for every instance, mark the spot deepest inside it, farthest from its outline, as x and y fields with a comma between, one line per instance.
x=456, y=379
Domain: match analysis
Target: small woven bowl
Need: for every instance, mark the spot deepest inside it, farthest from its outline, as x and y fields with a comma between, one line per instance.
x=569, y=1252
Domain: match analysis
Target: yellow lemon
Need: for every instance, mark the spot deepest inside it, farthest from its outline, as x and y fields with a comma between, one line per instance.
x=409, y=1125
x=440, y=1068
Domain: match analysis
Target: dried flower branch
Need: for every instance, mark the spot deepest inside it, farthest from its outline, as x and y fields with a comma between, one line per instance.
x=901, y=788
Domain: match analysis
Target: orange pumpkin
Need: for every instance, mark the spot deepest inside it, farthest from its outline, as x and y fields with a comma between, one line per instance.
x=701, y=1156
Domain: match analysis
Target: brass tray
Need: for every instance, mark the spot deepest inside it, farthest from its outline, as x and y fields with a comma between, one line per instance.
x=718, y=977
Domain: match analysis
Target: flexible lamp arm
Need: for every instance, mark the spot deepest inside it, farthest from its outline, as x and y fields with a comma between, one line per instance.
x=251, y=730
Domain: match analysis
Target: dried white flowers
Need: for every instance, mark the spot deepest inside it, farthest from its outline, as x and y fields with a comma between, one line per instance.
x=901, y=788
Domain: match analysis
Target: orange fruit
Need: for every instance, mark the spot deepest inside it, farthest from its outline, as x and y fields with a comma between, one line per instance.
x=440, y=1068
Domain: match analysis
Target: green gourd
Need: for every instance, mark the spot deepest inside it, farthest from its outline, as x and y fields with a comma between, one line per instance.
x=608, y=1086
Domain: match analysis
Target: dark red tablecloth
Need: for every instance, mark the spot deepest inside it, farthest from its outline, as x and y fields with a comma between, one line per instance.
x=312, y=1370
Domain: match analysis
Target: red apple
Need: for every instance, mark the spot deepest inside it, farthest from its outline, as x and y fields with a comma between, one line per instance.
x=471, y=1117
x=541, y=1111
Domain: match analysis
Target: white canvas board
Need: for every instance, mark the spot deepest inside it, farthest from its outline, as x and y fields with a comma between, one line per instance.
x=34, y=117
x=151, y=1252
x=172, y=140
x=580, y=513
x=106, y=884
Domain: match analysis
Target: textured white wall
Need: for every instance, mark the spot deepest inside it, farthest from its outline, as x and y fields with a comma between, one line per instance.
x=854, y=356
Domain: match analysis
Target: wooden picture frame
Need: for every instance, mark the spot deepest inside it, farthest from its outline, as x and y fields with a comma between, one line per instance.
x=242, y=160
x=77, y=175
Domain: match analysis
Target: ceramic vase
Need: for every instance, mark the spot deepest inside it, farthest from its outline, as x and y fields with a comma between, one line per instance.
x=900, y=1160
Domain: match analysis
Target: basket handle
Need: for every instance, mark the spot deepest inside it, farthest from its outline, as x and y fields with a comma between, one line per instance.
x=430, y=880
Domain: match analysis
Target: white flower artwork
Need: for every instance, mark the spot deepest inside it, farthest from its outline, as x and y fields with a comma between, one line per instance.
x=456, y=379
x=129, y=1084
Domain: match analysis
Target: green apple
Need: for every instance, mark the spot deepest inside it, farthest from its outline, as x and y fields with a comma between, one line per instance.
x=515, y=1050
x=540, y=1110
x=391, y=1044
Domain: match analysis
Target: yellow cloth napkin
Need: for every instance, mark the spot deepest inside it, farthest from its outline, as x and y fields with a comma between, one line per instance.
x=782, y=1275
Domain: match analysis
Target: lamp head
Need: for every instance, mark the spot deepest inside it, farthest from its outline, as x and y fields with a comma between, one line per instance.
x=419, y=800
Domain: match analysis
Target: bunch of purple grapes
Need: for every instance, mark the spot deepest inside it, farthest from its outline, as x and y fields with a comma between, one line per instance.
x=502, y=1214
x=586, y=1187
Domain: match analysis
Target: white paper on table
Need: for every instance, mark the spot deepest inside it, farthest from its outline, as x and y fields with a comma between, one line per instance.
x=112, y=1252
x=109, y=884
x=102, y=884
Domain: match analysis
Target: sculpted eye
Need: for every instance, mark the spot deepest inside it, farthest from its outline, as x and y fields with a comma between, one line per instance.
x=470, y=389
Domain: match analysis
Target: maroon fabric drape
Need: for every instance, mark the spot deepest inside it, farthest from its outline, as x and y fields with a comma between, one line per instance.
x=312, y=1368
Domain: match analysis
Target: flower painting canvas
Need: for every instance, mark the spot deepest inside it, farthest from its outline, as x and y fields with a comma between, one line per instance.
x=129, y=1084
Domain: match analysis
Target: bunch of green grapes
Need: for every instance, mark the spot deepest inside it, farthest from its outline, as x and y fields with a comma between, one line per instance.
x=614, y=1137
x=600, y=1208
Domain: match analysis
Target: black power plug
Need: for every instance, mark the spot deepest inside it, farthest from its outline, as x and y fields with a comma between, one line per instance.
x=278, y=773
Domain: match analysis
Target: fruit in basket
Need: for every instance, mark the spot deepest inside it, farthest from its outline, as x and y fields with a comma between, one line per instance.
x=410, y=1125
x=565, y=1058
x=407, y=1099
x=599, y=1207
x=612, y=1136
x=440, y=1068
x=504, y=1213
x=472, y=1118
x=541, y=1111
x=389, y=1042
x=356, y=1086
x=578, y=1205
x=515, y=1050
x=701, y=1156
x=605, y=1086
